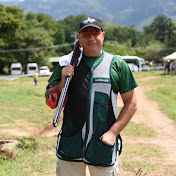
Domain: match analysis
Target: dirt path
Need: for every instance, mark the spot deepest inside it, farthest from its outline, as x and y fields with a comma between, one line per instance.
x=149, y=114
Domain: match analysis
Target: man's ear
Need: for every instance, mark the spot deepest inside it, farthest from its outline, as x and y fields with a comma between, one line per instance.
x=103, y=33
x=78, y=35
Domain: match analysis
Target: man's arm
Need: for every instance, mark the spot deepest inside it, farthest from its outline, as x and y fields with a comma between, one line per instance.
x=128, y=110
x=66, y=71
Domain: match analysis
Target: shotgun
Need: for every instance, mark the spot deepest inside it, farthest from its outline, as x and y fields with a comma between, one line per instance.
x=74, y=60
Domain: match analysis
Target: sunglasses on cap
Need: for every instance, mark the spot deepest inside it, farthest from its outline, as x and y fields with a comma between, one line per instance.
x=87, y=33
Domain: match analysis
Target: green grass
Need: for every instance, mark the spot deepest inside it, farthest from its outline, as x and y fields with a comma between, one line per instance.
x=31, y=161
x=142, y=157
x=142, y=75
x=166, y=97
x=20, y=102
x=138, y=130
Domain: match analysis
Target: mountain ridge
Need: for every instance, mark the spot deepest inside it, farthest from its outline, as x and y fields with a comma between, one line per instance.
x=124, y=13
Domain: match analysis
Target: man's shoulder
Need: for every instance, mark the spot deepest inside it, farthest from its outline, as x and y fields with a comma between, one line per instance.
x=116, y=58
x=118, y=63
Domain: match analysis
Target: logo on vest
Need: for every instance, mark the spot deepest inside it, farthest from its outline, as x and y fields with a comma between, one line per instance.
x=101, y=80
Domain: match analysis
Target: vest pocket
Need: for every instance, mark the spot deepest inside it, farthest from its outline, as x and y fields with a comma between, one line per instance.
x=70, y=147
x=100, y=111
x=98, y=153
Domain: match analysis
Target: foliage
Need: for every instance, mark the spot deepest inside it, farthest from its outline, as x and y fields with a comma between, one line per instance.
x=155, y=51
x=160, y=28
x=171, y=42
x=10, y=22
x=118, y=49
x=71, y=25
x=117, y=33
x=38, y=32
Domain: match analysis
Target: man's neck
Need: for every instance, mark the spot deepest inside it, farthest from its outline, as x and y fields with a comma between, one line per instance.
x=92, y=54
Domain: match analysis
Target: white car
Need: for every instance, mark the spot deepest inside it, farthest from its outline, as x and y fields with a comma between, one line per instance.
x=16, y=68
x=44, y=71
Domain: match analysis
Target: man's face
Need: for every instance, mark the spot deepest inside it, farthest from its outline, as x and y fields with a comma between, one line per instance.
x=91, y=39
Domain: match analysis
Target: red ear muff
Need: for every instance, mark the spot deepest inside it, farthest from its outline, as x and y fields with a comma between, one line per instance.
x=53, y=100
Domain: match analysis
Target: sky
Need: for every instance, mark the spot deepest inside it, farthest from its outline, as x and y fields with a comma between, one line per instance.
x=10, y=0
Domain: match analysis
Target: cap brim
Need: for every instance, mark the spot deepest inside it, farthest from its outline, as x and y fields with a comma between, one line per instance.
x=90, y=25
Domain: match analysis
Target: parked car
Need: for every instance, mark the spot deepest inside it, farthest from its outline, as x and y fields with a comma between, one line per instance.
x=44, y=71
x=16, y=68
x=145, y=68
x=31, y=68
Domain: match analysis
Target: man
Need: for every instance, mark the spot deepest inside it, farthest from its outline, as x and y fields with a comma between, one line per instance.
x=91, y=128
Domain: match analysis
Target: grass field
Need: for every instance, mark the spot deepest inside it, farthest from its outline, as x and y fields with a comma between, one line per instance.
x=23, y=106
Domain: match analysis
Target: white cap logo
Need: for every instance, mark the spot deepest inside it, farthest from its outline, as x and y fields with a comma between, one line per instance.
x=89, y=20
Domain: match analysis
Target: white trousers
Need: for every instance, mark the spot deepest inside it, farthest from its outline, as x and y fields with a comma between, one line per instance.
x=68, y=168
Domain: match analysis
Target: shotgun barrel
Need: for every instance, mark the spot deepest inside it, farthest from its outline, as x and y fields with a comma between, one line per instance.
x=74, y=60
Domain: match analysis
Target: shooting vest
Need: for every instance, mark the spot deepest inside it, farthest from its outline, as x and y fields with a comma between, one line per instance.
x=90, y=111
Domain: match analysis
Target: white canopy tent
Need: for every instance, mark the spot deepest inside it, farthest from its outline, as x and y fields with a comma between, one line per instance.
x=170, y=57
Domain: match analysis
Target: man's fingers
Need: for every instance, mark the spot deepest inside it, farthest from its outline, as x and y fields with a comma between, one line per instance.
x=68, y=71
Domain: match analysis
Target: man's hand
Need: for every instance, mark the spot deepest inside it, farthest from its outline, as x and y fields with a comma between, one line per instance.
x=68, y=70
x=108, y=138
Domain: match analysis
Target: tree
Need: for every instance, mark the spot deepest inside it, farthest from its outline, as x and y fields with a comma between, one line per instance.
x=171, y=42
x=155, y=51
x=11, y=18
x=129, y=36
x=10, y=21
x=70, y=25
x=117, y=33
x=161, y=28
x=118, y=49
x=36, y=32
